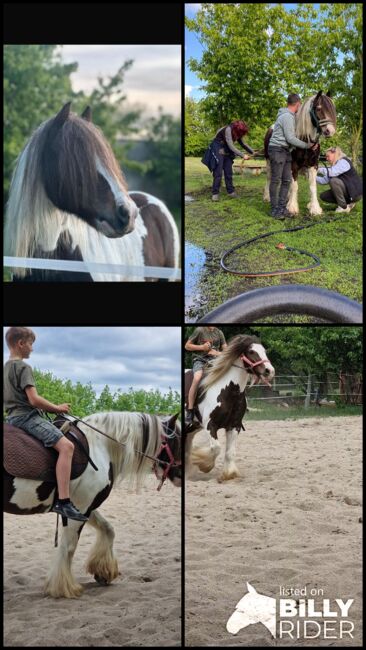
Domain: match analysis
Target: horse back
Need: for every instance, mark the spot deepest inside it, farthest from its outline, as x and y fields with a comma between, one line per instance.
x=27, y=457
x=160, y=241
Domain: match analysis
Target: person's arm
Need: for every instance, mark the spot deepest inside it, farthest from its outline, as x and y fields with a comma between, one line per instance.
x=41, y=403
x=245, y=146
x=288, y=125
x=192, y=347
x=340, y=167
x=230, y=143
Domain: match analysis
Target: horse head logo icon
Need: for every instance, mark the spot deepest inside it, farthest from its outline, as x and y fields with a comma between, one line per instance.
x=253, y=608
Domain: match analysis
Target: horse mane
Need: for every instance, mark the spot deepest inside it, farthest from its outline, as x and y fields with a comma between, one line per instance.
x=32, y=221
x=127, y=427
x=237, y=345
x=304, y=128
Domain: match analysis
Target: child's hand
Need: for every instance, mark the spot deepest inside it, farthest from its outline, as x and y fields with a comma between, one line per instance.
x=206, y=346
x=63, y=408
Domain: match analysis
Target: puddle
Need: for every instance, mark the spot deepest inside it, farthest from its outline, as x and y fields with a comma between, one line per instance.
x=188, y=198
x=194, y=260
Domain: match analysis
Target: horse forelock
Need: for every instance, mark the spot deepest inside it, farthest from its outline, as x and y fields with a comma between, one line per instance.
x=237, y=345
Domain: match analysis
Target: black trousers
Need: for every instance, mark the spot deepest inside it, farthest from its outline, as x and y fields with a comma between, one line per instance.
x=281, y=176
x=337, y=194
x=225, y=165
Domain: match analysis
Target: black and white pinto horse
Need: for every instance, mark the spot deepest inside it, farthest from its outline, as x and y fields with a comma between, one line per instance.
x=221, y=401
x=148, y=434
x=316, y=117
x=69, y=201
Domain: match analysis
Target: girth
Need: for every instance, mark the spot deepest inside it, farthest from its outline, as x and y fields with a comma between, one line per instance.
x=26, y=457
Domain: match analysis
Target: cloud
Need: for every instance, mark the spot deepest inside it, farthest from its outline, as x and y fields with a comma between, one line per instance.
x=141, y=357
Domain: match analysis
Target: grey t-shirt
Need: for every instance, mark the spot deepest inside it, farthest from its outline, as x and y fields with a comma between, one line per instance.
x=201, y=335
x=17, y=376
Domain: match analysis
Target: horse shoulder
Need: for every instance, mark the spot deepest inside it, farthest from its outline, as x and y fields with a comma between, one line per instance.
x=160, y=242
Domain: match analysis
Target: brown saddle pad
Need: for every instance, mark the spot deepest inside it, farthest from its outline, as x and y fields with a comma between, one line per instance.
x=27, y=457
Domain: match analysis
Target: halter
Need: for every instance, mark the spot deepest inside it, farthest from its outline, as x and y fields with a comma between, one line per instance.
x=252, y=365
x=316, y=122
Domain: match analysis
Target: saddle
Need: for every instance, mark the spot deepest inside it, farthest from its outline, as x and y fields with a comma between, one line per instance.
x=27, y=457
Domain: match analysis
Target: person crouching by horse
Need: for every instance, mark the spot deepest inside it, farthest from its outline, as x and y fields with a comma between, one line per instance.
x=282, y=142
x=206, y=343
x=22, y=404
x=345, y=183
x=222, y=153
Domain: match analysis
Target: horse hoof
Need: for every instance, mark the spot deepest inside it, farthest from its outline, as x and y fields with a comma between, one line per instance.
x=228, y=476
x=100, y=580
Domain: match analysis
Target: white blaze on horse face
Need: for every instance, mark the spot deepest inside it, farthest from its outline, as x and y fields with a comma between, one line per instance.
x=259, y=349
x=121, y=197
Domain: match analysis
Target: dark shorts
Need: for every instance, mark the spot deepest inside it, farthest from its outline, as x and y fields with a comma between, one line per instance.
x=38, y=427
x=199, y=364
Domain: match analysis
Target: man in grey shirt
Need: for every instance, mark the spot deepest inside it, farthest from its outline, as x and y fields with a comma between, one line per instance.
x=282, y=142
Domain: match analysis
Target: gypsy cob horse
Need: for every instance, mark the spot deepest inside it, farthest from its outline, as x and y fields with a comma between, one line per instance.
x=221, y=401
x=316, y=117
x=133, y=439
x=69, y=201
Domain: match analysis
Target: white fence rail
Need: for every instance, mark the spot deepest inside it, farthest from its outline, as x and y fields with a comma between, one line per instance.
x=95, y=267
x=306, y=390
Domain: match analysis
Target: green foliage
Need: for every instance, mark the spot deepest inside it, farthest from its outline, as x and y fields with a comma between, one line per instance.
x=197, y=133
x=83, y=399
x=164, y=153
x=247, y=70
x=302, y=349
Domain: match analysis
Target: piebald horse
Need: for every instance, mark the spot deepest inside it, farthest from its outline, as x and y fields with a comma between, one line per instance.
x=135, y=432
x=221, y=401
x=69, y=201
x=316, y=117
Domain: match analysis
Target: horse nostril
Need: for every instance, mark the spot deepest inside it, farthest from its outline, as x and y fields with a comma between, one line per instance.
x=123, y=214
x=267, y=372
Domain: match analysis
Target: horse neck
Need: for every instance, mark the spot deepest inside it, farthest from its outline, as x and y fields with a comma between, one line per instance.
x=235, y=373
x=127, y=428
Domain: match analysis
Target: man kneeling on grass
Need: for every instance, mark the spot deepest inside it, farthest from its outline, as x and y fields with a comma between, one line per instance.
x=345, y=183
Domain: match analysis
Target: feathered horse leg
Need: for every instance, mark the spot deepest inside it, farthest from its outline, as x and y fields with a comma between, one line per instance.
x=101, y=562
x=60, y=582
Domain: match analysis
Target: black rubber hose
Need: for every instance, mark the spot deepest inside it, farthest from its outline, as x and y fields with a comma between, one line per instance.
x=290, y=299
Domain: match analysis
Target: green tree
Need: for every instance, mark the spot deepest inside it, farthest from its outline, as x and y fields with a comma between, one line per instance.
x=197, y=134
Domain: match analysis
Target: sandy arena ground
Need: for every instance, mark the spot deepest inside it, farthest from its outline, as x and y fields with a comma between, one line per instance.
x=140, y=608
x=292, y=519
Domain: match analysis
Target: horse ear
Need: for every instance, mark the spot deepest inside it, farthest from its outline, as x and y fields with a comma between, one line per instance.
x=251, y=589
x=87, y=114
x=329, y=93
x=318, y=94
x=172, y=420
x=64, y=113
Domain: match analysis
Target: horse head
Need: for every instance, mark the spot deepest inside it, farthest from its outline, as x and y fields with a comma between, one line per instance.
x=170, y=452
x=253, y=608
x=254, y=358
x=322, y=114
x=81, y=175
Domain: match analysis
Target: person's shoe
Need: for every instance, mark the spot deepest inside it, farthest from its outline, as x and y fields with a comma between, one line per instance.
x=276, y=214
x=351, y=205
x=346, y=209
x=215, y=197
x=68, y=510
x=233, y=195
x=287, y=214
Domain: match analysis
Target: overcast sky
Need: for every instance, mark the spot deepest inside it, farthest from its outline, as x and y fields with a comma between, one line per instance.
x=153, y=80
x=141, y=357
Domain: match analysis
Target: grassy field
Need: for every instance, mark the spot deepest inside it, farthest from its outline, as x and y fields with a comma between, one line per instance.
x=216, y=227
x=268, y=411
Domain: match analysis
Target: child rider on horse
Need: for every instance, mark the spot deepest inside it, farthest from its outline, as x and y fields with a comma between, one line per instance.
x=22, y=404
x=206, y=343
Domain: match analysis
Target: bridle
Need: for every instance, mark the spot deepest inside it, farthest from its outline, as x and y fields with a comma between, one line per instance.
x=172, y=462
x=316, y=122
x=251, y=365
x=171, y=433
